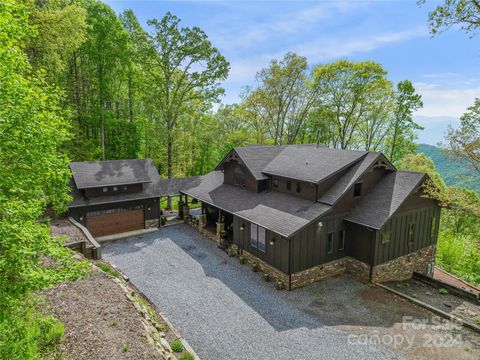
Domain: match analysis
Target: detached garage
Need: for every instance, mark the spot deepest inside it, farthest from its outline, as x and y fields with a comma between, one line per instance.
x=115, y=196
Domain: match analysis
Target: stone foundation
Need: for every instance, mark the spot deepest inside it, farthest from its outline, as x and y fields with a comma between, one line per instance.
x=153, y=223
x=186, y=213
x=275, y=274
x=358, y=269
x=318, y=272
x=403, y=267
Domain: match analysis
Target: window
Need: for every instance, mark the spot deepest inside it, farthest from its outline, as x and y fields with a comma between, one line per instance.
x=239, y=177
x=125, y=188
x=433, y=227
x=330, y=243
x=341, y=240
x=258, y=237
x=411, y=233
x=275, y=183
x=115, y=188
x=386, y=237
x=105, y=189
x=299, y=187
x=357, y=189
x=289, y=185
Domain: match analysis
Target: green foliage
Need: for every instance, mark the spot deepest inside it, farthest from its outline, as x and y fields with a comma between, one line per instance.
x=454, y=172
x=177, y=346
x=147, y=307
x=443, y=291
x=125, y=347
x=108, y=269
x=187, y=356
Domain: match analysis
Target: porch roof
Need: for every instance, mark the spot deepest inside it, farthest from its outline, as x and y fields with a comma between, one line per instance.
x=281, y=213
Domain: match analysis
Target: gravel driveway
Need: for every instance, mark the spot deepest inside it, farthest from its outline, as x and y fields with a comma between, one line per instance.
x=222, y=308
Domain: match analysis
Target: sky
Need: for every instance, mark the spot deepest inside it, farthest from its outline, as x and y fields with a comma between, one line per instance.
x=444, y=69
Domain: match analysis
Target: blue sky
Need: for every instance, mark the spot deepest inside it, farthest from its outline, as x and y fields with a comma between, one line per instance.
x=444, y=69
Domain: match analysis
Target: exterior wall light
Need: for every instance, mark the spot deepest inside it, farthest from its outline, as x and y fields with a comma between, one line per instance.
x=242, y=227
x=320, y=224
x=81, y=218
x=148, y=209
x=272, y=241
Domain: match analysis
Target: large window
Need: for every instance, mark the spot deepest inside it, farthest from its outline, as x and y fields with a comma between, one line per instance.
x=341, y=240
x=386, y=237
x=411, y=233
x=330, y=243
x=239, y=177
x=258, y=237
x=433, y=227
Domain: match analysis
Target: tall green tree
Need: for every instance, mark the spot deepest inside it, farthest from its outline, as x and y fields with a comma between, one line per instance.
x=403, y=127
x=464, y=142
x=283, y=100
x=184, y=68
x=353, y=99
x=33, y=174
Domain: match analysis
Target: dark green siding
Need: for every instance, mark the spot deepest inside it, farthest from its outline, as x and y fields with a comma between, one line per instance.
x=276, y=254
x=399, y=225
x=360, y=240
x=309, y=246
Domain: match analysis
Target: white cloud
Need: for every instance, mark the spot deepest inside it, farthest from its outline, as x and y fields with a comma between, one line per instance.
x=441, y=101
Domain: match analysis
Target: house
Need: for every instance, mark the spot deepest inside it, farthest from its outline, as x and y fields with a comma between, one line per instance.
x=300, y=212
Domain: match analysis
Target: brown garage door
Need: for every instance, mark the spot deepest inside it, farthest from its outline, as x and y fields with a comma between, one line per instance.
x=114, y=223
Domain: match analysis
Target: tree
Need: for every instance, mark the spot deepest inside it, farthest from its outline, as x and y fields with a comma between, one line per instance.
x=282, y=100
x=353, y=99
x=184, y=68
x=33, y=174
x=403, y=127
x=464, y=142
x=465, y=13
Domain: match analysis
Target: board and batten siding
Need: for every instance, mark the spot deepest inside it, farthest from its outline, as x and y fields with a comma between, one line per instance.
x=309, y=246
x=398, y=227
x=275, y=255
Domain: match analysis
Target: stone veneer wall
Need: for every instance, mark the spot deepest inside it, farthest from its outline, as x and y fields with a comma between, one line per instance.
x=403, y=267
x=274, y=273
x=153, y=223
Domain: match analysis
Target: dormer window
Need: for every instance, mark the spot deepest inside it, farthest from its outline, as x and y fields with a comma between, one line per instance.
x=299, y=187
x=105, y=189
x=357, y=190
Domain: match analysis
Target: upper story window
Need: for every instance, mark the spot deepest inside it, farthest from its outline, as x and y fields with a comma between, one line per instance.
x=299, y=187
x=330, y=243
x=258, y=237
x=341, y=240
x=357, y=189
x=239, y=178
x=125, y=188
x=275, y=182
x=115, y=188
x=105, y=189
x=411, y=233
x=386, y=237
x=433, y=227
x=289, y=185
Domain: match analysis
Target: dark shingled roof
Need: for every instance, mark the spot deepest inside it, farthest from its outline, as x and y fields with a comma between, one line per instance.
x=308, y=163
x=334, y=193
x=173, y=187
x=385, y=199
x=257, y=157
x=149, y=188
x=281, y=213
x=90, y=174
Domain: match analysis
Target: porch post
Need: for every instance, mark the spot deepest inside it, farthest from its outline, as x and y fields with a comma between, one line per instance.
x=186, y=210
x=220, y=228
x=202, y=220
x=180, y=207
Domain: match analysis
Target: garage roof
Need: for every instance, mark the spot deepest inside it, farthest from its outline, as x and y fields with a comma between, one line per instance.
x=91, y=174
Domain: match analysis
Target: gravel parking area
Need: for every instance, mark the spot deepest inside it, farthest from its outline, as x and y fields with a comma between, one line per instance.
x=225, y=311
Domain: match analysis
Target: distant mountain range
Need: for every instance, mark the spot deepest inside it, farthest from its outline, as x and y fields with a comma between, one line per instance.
x=455, y=173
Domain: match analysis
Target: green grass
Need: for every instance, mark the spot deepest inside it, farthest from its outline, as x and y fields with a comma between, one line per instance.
x=177, y=346
x=125, y=347
x=147, y=307
x=108, y=269
x=478, y=320
x=187, y=356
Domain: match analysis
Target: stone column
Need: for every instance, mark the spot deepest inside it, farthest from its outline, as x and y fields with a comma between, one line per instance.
x=202, y=221
x=220, y=228
x=186, y=212
x=181, y=204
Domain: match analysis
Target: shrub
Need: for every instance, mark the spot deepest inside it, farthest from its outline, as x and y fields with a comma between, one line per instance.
x=266, y=277
x=51, y=332
x=254, y=266
x=443, y=291
x=125, y=346
x=177, y=346
x=187, y=356
x=478, y=320
x=242, y=259
x=163, y=220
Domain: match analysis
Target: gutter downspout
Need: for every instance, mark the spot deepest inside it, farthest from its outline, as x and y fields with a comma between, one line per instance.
x=289, y=264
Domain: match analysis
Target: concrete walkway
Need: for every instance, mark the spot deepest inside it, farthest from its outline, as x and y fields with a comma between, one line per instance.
x=222, y=308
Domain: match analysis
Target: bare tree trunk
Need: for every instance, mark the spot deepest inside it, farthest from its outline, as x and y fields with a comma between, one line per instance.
x=169, y=162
